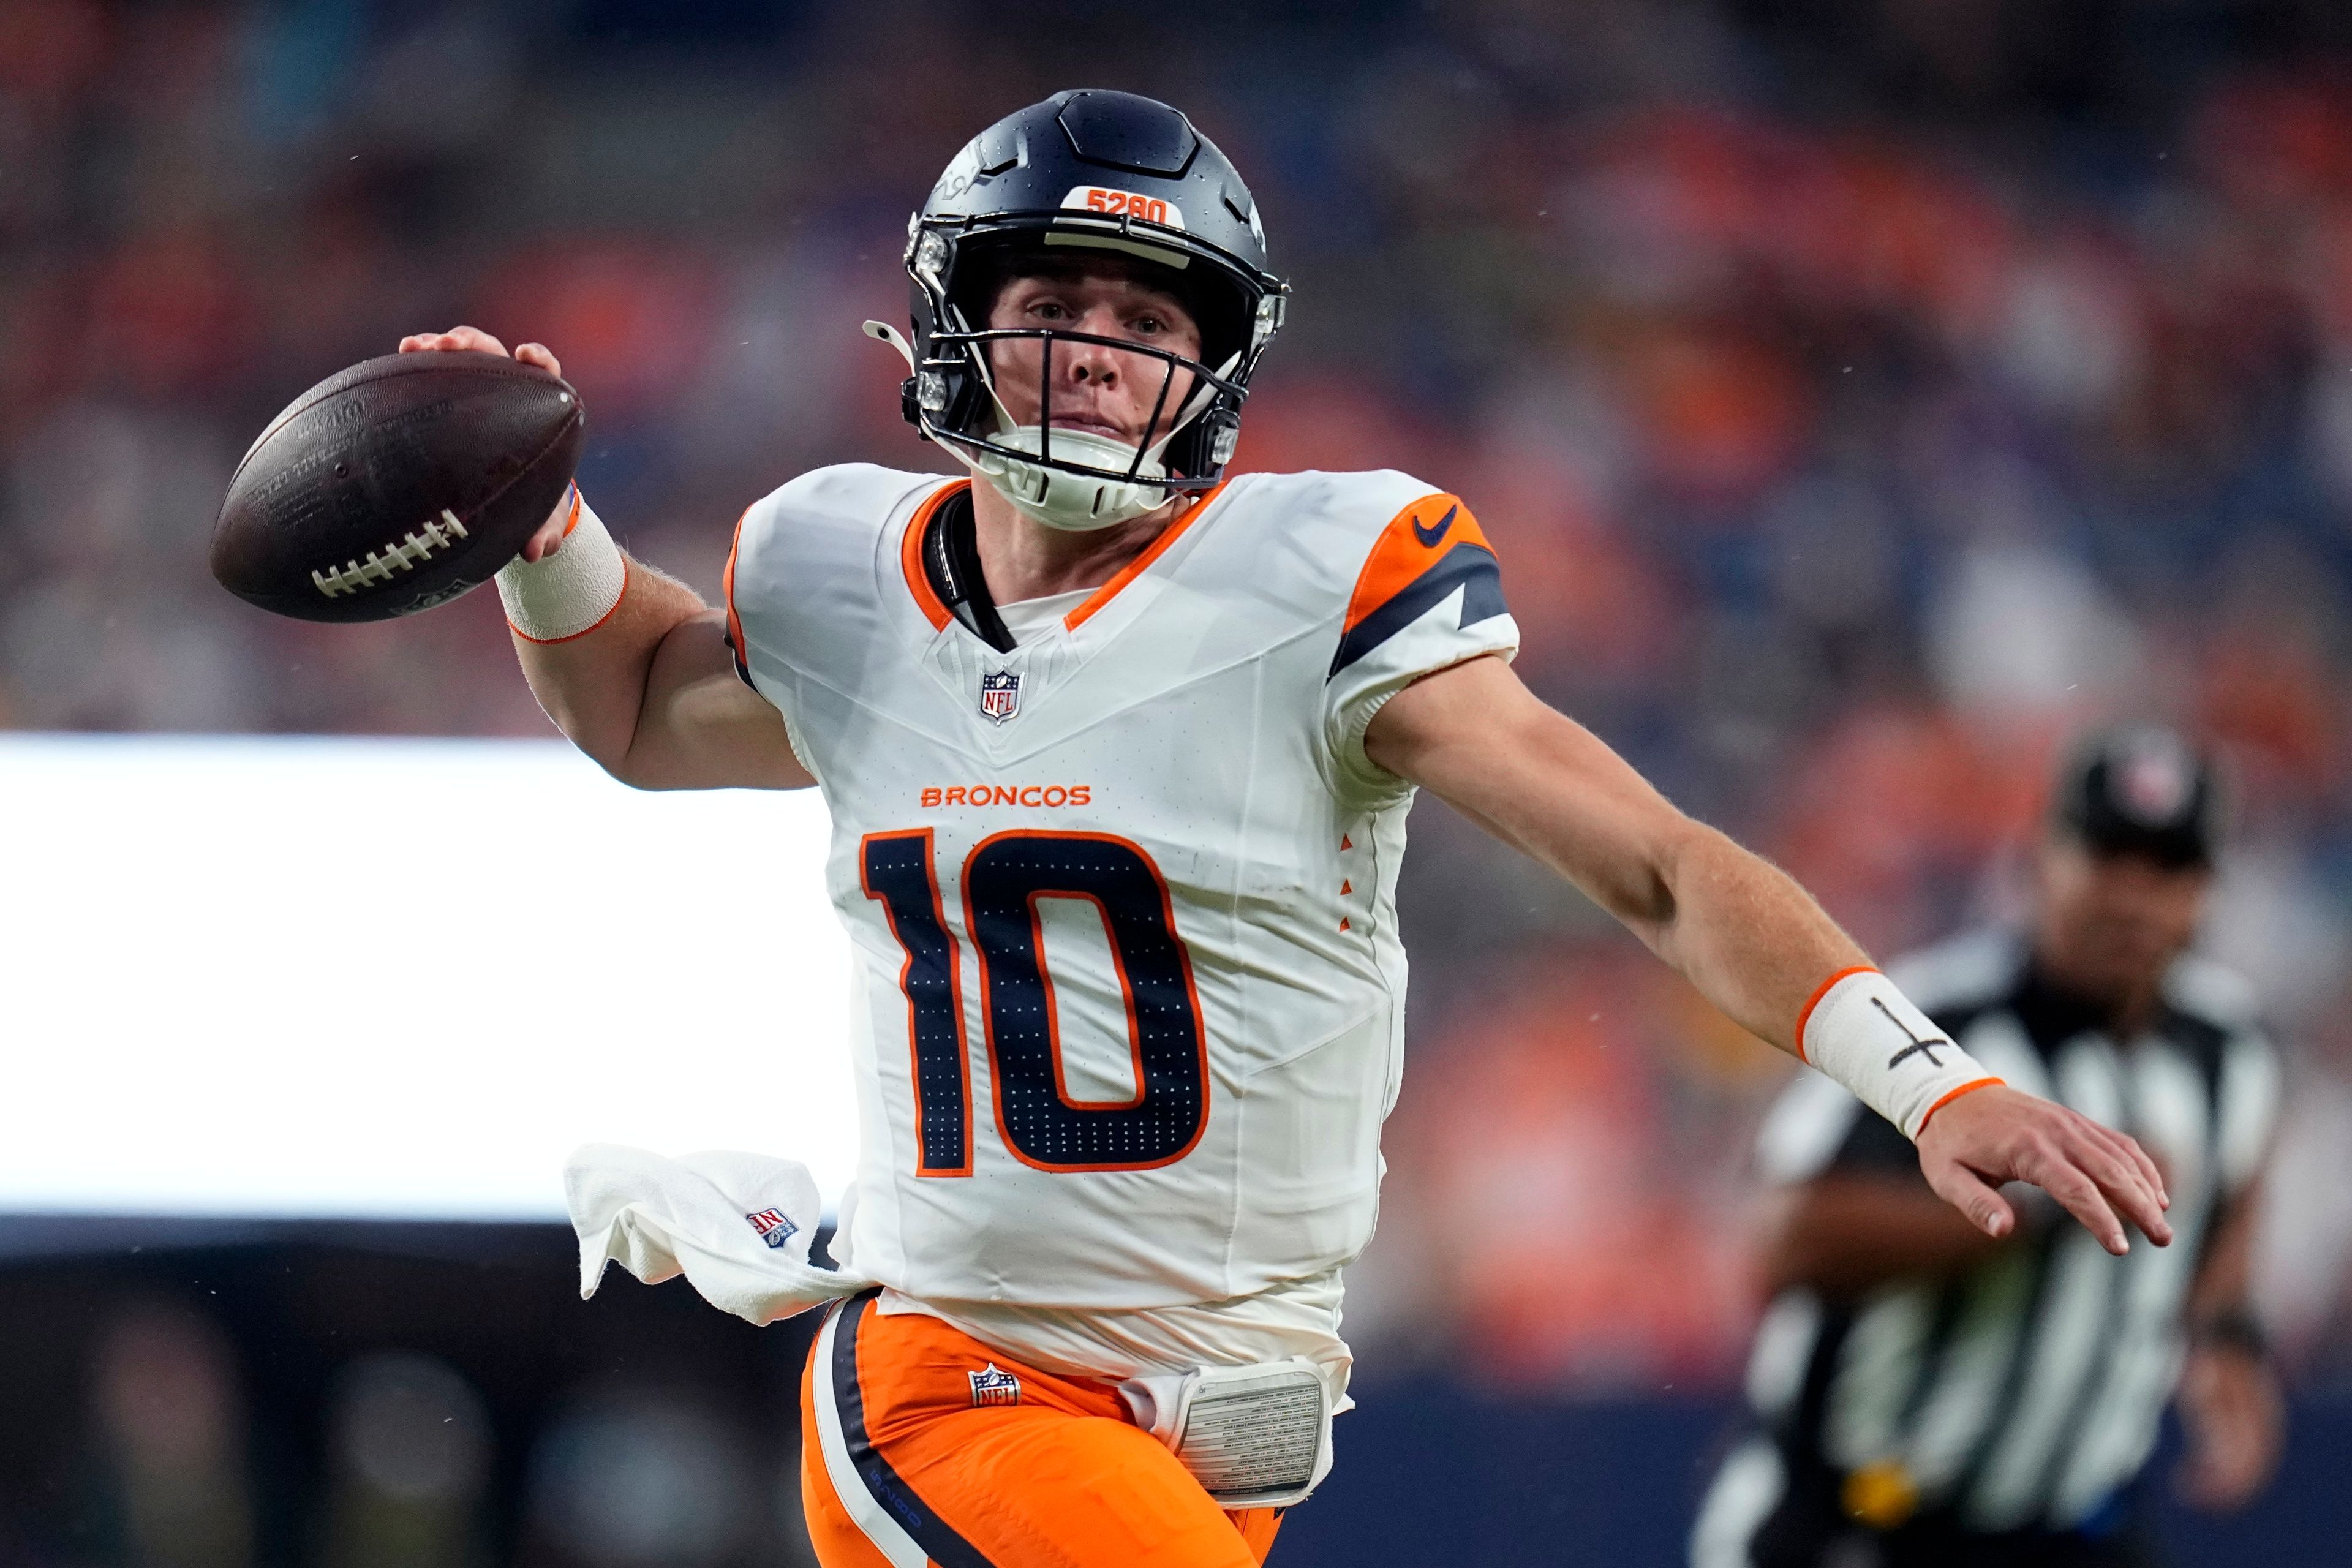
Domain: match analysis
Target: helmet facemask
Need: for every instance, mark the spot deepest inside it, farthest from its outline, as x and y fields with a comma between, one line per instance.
x=1080, y=480
x=1066, y=478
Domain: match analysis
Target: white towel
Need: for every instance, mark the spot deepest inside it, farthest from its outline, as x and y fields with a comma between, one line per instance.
x=737, y=1226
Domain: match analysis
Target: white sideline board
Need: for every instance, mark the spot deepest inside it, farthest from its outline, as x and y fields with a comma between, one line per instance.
x=398, y=979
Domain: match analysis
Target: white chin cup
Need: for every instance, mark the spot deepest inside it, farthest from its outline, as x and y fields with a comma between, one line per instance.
x=1072, y=502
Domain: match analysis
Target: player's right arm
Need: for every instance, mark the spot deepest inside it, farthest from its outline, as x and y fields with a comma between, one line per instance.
x=650, y=692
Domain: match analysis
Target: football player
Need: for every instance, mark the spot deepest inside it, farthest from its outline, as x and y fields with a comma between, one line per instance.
x=1119, y=750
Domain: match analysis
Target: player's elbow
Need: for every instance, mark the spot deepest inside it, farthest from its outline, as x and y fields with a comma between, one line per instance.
x=635, y=775
x=648, y=768
x=1642, y=900
x=1703, y=875
x=1652, y=884
x=604, y=737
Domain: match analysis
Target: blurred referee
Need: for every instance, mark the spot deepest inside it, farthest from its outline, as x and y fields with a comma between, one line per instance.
x=1931, y=1397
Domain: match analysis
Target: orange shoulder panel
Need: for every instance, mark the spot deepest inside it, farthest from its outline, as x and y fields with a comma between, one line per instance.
x=1407, y=547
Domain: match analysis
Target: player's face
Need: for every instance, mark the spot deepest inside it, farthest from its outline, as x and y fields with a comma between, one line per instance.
x=1095, y=388
x=2112, y=924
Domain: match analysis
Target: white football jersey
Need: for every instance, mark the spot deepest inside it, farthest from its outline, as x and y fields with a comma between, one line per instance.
x=1130, y=995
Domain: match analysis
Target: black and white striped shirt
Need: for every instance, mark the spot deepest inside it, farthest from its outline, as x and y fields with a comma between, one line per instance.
x=2028, y=1391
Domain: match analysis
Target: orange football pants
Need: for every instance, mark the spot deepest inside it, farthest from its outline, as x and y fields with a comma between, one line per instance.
x=906, y=1460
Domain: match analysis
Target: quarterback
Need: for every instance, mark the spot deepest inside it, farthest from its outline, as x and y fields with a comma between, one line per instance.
x=1118, y=750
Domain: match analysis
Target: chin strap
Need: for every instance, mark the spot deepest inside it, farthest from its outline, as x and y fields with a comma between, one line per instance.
x=1056, y=497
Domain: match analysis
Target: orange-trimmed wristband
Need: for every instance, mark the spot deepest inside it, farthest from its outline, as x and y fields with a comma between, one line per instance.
x=1860, y=1029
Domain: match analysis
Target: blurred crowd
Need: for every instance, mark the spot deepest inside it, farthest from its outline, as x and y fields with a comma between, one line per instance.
x=386, y=1401
x=1860, y=397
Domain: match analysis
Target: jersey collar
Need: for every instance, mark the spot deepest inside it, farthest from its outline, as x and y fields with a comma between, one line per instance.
x=935, y=610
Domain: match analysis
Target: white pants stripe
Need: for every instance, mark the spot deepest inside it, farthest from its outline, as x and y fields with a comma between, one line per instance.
x=888, y=1536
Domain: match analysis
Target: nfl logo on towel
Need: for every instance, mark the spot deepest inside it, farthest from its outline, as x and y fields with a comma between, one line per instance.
x=991, y=1385
x=774, y=1228
x=999, y=695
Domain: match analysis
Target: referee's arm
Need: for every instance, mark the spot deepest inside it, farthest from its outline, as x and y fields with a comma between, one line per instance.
x=2232, y=1408
x=1869, y=1216
x=1845, y=1234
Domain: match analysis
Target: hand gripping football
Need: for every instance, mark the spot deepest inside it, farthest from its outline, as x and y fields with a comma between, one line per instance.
x=396, y=486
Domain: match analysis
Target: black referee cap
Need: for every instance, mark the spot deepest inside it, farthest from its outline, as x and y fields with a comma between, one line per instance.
x=2141, y=789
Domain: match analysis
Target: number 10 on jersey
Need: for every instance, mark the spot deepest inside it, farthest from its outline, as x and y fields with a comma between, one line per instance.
x=1041, y=1124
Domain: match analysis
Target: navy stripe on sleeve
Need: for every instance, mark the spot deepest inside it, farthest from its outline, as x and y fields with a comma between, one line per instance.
x=1469, y=567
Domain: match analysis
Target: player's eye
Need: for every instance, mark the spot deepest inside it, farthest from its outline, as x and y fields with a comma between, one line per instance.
x=1150, y=326
x=1049, y=310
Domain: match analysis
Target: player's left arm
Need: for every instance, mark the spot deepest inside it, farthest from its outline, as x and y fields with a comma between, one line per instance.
x=1741, y=930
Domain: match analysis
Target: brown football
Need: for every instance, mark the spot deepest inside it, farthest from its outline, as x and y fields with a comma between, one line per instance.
x=396, y=485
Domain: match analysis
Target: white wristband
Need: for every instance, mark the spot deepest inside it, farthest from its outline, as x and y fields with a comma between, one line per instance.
x=1866, y=1034
x=570, y=592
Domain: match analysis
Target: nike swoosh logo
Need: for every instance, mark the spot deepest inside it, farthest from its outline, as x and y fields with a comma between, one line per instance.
x=1430, y=536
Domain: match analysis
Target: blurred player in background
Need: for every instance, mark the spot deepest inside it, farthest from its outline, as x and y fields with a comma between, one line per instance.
x=1932, y=1395
x=1118, y=753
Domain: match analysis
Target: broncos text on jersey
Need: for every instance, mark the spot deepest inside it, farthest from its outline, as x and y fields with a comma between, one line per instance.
x=1122, y=898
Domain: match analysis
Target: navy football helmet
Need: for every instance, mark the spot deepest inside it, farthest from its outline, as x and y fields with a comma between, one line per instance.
x=1106, y=171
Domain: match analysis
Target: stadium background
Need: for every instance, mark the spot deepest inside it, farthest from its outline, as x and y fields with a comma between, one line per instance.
x=1859, y=396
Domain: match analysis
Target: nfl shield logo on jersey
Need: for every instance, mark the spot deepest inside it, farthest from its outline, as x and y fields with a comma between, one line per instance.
x=999, y=695
x=774, y=1228
x=994, y=1385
